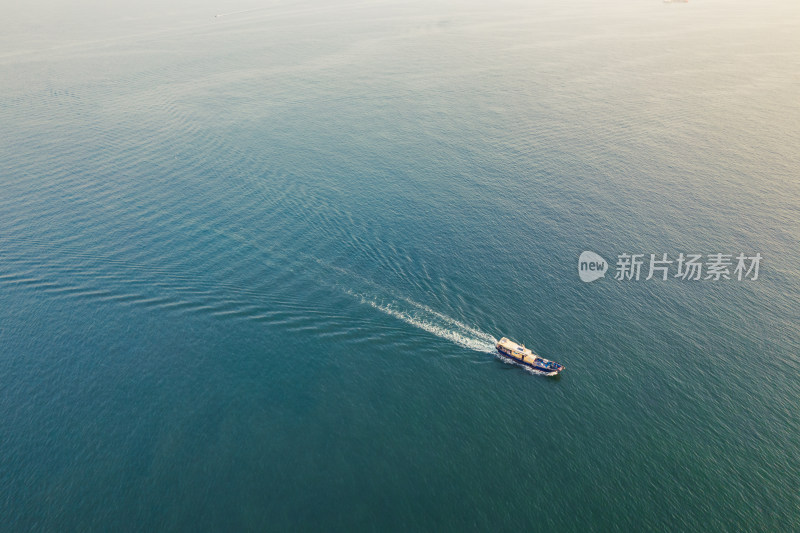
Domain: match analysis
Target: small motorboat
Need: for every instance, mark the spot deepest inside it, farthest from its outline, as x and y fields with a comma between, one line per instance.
x=524, y=356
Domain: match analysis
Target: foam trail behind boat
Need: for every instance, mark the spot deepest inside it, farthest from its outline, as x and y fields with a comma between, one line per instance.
x=427, y=319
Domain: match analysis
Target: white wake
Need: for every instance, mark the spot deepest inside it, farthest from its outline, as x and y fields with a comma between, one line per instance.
x=425, y=318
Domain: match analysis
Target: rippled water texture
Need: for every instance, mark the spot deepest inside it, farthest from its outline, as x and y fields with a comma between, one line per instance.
x=254, y=260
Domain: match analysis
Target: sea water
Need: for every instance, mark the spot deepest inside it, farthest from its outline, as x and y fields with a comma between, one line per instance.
x=254, y=259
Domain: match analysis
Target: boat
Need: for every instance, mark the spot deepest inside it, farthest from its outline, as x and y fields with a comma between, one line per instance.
x=524, y=356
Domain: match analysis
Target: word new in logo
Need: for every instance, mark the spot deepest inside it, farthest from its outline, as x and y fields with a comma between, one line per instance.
x=591, y=266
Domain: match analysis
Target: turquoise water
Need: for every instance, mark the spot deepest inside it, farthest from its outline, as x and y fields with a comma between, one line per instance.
x=253, y=261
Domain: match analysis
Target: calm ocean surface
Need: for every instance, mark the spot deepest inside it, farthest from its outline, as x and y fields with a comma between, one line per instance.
x=253, y=260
